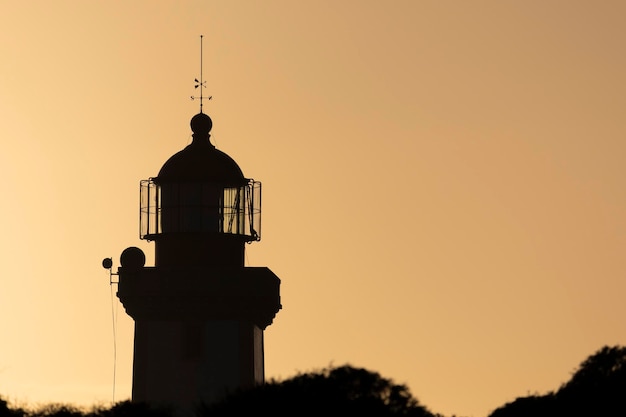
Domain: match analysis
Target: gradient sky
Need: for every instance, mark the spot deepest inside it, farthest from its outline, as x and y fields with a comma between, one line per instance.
x=444, y=194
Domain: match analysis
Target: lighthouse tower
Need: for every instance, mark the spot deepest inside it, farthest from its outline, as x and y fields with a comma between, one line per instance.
x=199, y=312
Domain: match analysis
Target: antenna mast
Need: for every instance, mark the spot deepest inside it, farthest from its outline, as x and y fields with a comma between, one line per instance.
x=200, y=83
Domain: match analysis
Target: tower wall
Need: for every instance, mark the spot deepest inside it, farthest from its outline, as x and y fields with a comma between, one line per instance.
x=195, y=250
x=198, y=330
x=178, y=362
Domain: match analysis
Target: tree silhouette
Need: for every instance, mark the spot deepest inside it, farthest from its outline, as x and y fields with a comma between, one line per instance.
x=597, y=388
x=130, y=409
x=120, y=409
x=332, y=391
x=535, y=406
x=57, y=410
x=5, y=411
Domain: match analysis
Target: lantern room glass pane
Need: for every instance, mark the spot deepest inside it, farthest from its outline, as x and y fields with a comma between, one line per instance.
x=197, y=207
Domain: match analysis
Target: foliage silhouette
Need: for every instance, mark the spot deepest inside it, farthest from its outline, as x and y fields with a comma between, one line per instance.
x=332, y=391
x=120, y=409
x=57, y=410
x=5, y=411
x=597, y=387
x=130, y=409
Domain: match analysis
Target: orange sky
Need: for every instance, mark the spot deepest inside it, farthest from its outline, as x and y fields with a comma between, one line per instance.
x=444, y=195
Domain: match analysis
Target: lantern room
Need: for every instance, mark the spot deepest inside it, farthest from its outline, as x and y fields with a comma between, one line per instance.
x=200, y=205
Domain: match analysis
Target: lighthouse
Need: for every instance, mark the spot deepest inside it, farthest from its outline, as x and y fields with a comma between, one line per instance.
x=199, y=312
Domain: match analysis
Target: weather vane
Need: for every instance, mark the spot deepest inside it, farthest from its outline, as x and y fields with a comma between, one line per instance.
x=200, y=83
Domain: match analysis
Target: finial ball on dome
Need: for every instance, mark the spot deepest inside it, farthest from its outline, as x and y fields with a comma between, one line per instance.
x=201, y=123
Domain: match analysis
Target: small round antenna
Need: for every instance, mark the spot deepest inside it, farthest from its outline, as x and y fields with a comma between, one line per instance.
x=200, y=83
x=107, y=263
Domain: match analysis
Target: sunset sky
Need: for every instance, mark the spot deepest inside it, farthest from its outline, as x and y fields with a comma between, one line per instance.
x=444, y=191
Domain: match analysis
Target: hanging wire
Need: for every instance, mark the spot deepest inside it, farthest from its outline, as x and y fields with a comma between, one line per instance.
x=114, y=315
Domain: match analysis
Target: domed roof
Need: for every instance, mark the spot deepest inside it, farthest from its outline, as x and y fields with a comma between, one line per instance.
x=201, y=161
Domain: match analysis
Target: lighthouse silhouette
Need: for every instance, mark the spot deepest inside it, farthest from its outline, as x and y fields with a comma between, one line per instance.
x=199, y=312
